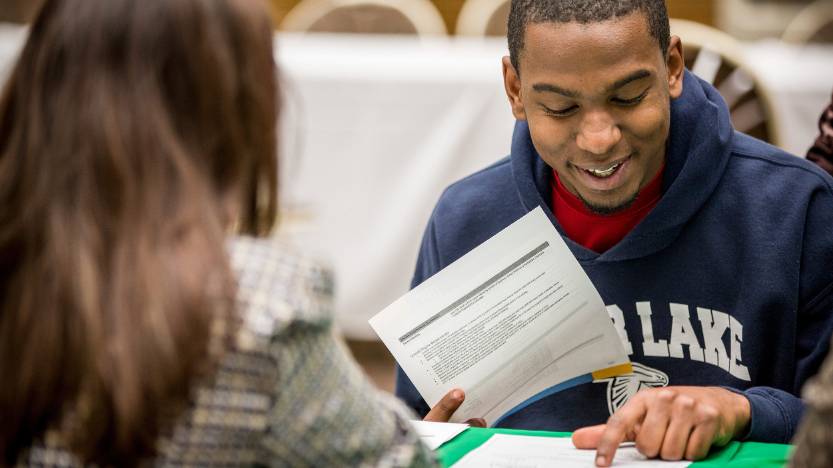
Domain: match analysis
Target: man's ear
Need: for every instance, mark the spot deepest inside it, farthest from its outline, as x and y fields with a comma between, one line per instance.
x=675, y=63
x=512, y=84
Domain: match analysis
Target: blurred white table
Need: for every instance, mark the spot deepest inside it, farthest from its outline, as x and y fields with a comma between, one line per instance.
x=801, y=82
x=373, y=128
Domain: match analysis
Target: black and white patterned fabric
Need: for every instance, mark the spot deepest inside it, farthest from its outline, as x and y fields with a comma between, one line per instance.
x=289, y=394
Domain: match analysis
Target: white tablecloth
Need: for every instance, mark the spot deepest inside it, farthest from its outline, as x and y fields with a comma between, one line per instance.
x=374, y=128
x=801, y=83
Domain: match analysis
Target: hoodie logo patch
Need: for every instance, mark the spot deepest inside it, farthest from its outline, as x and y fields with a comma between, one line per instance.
x=621, y=388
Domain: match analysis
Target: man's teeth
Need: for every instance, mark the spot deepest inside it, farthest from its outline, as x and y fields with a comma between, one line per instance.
x=604, y=172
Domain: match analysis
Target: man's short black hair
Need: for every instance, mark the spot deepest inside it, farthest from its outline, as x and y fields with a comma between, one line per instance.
x=526, y=12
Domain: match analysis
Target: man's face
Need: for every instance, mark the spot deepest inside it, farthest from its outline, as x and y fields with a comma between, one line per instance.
x=597, y=100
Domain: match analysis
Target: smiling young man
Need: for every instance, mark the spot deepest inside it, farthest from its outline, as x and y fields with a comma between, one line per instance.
x=711, y=249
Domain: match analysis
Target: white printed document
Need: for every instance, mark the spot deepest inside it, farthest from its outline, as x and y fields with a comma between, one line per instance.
x=514, y=320
x=511, y=451
x=434, y=434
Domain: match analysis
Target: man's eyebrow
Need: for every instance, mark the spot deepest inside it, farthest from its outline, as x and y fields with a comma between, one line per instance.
x=551, y=88
x=546, y=87
x=637, y=75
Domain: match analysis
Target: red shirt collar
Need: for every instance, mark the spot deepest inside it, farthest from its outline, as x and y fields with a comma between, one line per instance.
x=601, y=232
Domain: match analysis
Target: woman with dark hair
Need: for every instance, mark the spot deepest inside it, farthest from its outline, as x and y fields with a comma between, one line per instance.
x=133, y=136
x=821, y=152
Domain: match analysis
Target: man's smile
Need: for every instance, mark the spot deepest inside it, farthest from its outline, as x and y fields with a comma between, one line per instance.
x=603, y=171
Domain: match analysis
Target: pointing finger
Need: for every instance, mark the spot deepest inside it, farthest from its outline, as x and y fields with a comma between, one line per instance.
x=588, y=437
x=619, y=428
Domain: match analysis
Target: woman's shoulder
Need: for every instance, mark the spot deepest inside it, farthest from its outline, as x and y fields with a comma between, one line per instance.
x=277, y=285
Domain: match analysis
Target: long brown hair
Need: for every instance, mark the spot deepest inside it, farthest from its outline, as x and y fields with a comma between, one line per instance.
x=133, y=133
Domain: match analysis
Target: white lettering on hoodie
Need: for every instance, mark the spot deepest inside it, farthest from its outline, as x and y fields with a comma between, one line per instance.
x=713, y=326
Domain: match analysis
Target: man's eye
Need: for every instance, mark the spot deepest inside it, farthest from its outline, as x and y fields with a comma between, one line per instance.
x=631, y=101
x=566, y=112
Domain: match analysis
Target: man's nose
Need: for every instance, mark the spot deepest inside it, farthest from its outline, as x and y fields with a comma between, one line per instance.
x=598, y=134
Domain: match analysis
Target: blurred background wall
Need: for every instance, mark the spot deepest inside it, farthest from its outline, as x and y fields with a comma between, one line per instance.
x=733, y=16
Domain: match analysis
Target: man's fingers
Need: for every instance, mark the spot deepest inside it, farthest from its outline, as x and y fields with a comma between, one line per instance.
x=476, y=422
x=588, y=437
x=676, y=441
x=619, y=428
x=442, y=411
x=658, y=414
x=679, y=430
x=672, y=423
x=700, y=440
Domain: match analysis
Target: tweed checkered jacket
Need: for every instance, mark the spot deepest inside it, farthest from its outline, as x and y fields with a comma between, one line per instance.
x=289, y=394
x=814, y=440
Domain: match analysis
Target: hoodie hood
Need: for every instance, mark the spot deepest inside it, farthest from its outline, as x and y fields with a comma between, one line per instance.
x=697, y=152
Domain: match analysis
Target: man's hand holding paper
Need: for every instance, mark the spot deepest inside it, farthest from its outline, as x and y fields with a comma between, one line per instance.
x=444, y=410
x=514, y=320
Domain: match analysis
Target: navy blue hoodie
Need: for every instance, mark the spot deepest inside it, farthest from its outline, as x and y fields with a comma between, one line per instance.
x=726, y=282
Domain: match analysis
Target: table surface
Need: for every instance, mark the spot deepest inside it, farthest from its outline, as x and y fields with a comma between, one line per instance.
x=735, y=454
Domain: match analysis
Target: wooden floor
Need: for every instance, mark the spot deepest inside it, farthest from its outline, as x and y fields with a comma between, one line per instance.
x=376, y=361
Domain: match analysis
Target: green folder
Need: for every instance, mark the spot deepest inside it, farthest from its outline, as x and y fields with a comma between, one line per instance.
x=735, y=454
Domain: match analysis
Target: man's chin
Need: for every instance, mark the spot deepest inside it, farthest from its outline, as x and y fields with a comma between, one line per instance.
x=609, y=209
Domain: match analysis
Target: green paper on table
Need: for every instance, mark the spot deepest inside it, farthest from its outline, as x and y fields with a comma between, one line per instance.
x=735, y=454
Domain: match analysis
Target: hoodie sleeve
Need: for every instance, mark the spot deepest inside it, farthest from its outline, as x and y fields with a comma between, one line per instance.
x=428, y=263
x=776, y=413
